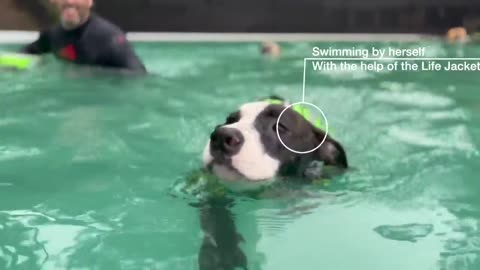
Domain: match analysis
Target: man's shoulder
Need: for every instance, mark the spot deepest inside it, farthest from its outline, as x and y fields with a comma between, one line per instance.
x=105, y=31
x=105, y=26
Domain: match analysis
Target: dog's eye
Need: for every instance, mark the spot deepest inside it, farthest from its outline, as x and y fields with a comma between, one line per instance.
x=281, y=128
x=232, y=118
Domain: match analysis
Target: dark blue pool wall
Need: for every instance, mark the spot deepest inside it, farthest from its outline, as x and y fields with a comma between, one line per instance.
x=355, y=16
x=393, y=16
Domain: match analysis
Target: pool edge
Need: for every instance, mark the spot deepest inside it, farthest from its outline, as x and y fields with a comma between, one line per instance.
x=28, y=36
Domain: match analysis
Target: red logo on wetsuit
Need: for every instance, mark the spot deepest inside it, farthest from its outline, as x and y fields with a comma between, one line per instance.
x=69, y=53
x=121, y=39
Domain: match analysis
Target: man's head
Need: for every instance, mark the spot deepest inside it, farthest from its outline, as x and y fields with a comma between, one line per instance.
x=246, y=146
x=457, y=34
x=271, y=49
x=73, y=13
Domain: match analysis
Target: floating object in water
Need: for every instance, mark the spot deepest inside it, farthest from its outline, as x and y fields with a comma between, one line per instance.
x=18, y=60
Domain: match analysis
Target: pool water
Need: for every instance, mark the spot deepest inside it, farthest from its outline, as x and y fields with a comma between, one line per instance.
x=89, y=163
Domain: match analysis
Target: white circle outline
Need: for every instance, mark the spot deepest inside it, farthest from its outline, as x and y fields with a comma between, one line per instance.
x=326, y=128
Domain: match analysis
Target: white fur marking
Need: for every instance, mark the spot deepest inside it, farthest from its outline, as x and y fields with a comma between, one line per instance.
x=252, y=161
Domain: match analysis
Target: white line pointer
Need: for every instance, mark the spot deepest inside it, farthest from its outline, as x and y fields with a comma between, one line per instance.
x=304, y=74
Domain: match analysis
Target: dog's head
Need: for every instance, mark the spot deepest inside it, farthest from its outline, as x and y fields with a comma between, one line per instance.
x=247, y=147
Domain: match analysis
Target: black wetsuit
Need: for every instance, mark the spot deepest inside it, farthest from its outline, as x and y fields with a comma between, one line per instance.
x=97, y=42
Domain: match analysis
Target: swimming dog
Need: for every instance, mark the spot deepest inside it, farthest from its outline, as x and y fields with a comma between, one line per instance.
x=247, y=147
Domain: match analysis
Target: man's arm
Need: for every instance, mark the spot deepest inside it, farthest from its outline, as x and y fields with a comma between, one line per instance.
x=40, y=46
x=120, y=54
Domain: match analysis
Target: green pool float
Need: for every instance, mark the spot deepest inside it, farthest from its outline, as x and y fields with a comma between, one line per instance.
x=17, y=60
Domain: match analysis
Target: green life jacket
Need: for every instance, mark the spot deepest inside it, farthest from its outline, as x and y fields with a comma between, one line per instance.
x=303, y=111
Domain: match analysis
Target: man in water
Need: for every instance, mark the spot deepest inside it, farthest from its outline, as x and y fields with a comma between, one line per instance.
x=85, y=38
x=271, y=49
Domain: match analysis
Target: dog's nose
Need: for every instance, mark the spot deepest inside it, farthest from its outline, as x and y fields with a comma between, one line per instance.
x=226, y=140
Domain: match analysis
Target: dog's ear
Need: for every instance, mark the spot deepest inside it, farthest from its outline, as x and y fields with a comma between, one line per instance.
x=331, y=152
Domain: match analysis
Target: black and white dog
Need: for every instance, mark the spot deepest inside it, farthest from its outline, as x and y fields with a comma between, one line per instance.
x=246, y=146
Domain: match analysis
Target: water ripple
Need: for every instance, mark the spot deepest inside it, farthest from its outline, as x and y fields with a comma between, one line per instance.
x=407, y=232
x=456, y=137
x=12, y=152
x=414, y=98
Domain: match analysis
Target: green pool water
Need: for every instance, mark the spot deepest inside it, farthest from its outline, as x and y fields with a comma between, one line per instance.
x=89, y=163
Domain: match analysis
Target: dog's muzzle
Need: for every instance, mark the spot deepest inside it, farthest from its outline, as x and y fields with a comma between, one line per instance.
x=225, y=142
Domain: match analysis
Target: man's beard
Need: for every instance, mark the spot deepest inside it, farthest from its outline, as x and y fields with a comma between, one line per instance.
x=72, y=24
